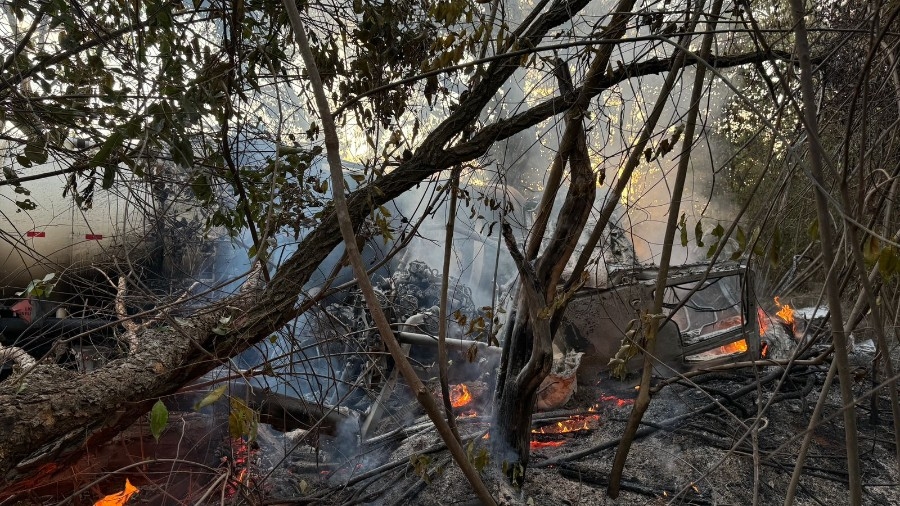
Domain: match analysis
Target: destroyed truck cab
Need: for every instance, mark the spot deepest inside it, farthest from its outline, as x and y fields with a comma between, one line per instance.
x=715, y=324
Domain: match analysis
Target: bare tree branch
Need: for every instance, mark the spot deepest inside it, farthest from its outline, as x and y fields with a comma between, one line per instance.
x=332, y=148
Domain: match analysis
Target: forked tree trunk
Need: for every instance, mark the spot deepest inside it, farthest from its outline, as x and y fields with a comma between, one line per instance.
x=527, y=349
x=50, y=416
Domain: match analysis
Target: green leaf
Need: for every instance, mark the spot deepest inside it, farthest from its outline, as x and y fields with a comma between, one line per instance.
x=698, y=234
x=718, y=231
x=26, y=205
x=102, y=157
x=888, y=262
x=159, y=417
x=814, y=230
x=481, y=460
x=871, y=248
x=201, y=188
x=211, y=398
x=182, y=152
x=243, y=421
x=682, y=225
x=757, y=244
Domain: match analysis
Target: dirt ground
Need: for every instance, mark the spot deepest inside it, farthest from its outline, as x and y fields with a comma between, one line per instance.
x=692, y=455
x=701, y=444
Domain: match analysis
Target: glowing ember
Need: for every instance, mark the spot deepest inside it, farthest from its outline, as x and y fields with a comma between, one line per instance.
x=119, y=498
x=574, y=424
x=240, y=462
x=460, y=395
x=537, y=445
x=785, y=312
x=620, y=403
x=733, y=348
x=763, y=320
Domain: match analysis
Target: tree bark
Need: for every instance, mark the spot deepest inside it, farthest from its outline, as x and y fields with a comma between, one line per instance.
x=816, y=157
x=51, y=415
x=346, y=225
x=527, y=350
x=651, y=323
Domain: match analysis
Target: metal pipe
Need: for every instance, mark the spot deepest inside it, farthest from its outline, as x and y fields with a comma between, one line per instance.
x=457, y=344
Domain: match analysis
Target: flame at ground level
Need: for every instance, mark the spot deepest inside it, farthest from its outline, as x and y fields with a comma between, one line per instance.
x=785, y=312
x=574, y=424
x=735, y=347
x=119, y=498
x=460, y=395
x=537, y=445
x=730, y=349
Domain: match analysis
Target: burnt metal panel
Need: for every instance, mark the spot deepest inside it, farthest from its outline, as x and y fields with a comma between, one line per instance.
x=722, y=313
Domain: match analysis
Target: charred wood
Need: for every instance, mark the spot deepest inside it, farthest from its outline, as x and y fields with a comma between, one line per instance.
x=410, y=492
x=667, y=424
x=593, y=477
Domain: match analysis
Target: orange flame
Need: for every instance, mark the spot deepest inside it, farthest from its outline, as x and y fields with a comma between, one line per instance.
x=735, y=347
x=730, y=348
x=574, y=424
x=537, y=445
x=460, y=395
x=119, y=498
x=785, y=312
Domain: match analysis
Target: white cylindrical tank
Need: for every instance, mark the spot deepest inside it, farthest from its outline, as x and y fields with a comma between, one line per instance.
x=57, y=235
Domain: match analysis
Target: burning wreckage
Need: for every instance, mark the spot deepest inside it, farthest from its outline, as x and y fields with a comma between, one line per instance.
x=712, y=319
x=361, y=426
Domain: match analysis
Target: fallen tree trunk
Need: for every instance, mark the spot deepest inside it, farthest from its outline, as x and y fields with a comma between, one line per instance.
x=51, y=415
